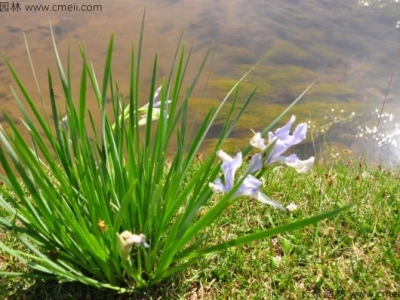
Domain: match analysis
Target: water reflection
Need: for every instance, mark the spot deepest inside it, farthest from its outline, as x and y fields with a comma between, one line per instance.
x=348, y=47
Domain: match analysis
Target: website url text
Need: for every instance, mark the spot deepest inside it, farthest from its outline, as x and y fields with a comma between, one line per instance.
x=16, y=7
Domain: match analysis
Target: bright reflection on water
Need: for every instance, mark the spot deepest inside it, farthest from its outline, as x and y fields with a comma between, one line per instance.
x=349, y=47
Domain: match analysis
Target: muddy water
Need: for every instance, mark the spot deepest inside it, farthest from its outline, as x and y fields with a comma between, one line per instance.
x=348, y=47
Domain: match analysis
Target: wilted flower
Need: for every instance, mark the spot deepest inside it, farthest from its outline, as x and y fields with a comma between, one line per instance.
x=156, y=111
x=125, y=241
x=281, y=141
x=249, y=186
x=156, y=101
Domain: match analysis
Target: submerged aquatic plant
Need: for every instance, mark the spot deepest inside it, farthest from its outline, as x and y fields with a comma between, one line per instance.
x=82, y=194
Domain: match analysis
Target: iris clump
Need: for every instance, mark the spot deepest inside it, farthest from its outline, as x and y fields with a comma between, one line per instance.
x=80, y=194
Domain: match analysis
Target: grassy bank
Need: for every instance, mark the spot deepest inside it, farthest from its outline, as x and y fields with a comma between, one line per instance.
x=354, y=255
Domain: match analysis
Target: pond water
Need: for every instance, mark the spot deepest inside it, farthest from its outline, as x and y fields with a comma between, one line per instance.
x=349, y=47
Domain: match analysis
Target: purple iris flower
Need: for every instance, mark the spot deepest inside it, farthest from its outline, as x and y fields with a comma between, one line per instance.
x=249, y=186
x=282, y=140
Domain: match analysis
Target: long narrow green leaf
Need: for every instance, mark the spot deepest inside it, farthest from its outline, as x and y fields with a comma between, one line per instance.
x=82, y=96
x=64, y=81
x=263, y=234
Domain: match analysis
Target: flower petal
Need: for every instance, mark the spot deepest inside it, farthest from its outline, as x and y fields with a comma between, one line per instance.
x=137, y=240
x=217, y=187
x=125, y=241
x=285, y=140
x=158, y=103
x=301, y=166
x=258, y=142
x=283, y=132
x=229, y=167
x=225, y=157
x=255, y=163
x=267, y=200
x=249, y=184
x=157, y=94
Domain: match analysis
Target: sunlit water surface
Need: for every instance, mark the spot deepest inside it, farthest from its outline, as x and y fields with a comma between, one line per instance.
x=349, y=47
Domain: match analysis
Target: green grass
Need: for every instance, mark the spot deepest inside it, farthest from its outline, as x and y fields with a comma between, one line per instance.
x=355, y=252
